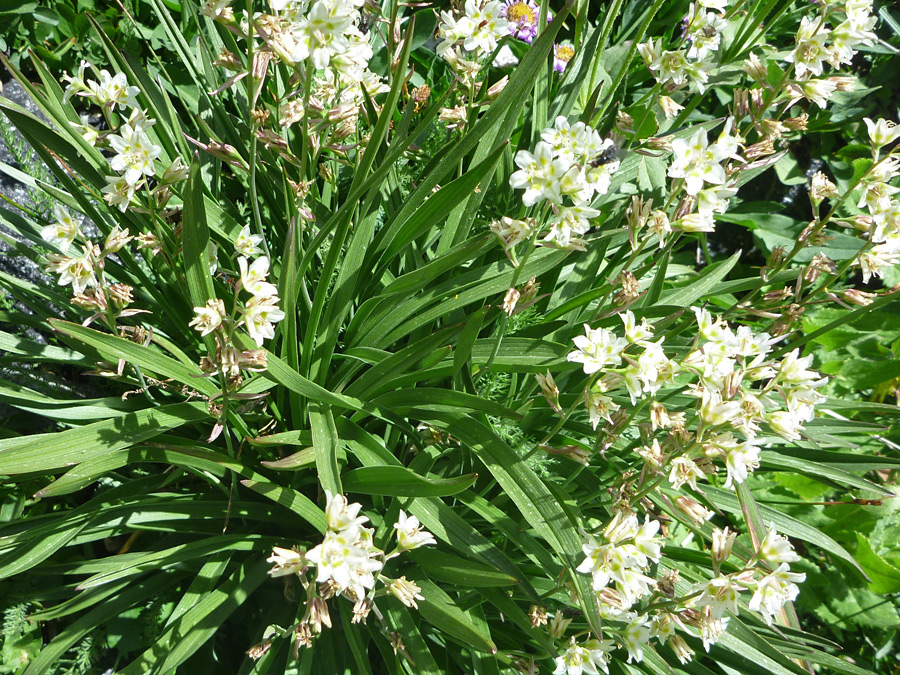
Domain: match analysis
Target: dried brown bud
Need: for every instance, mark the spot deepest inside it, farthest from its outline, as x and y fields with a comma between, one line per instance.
x=90, y=299
x=303, y=635
x=778, y=296
x=772, y=128
x=256, y=652
x=361, y=610
x=121, y=294
x=228, y=60
x=757, y=100
x=741, y=103
x=764, y=148
x=630, y=289
x=663, y=143
x=861, y=298
x=798, y=123
x=538, y=616
x=694, y=510
x=260, y=116
x=819, y=264
x=624, y=122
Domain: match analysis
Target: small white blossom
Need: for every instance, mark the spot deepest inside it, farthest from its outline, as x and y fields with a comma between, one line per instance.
x=410, y=534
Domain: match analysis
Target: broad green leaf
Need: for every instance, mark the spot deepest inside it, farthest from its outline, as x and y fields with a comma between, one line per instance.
x=885, y=578
x=47, y=453
x=398, y=481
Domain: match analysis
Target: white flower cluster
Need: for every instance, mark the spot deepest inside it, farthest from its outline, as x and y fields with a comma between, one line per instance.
x=619, y=562
x=692, y=65
x=467, y=38
x=738, y=390
x=816, y=44
x=348, y=563
x=135, y=153
x=324, y=35
x=573, y=163
x=602, y=351
x=623, y=557
x=84, y=272
x=883, y=226
x=257, y=315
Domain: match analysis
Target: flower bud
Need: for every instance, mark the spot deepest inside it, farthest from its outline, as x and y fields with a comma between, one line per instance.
x=755, y=68
x=406, y=592
x=861, y=298
x=798, y=123
x=669, y=107
x=741, y=103
x=538, y=616
x=722, y=541
x=694, y=510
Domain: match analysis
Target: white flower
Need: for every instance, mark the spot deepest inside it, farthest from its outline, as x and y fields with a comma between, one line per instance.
x=118, y=192
x=786, y=424
x=78, y=271
x=114, y=90
x=875, y=260
x=410, y=534
x=818, y=91
x=720, y=595
x=704, y=30
x=776, y=548
x=260, y=313
x=61, y=233
x=570, y=220
x=247, y=244
x=740, y=459
x=212, y=256
x=488, y=23
x=513, y=232
x=590, y=657
x=636, y=333
x=135, y=153
x=599, y=406
x=340, y=514
x=253, y=277
x=596, y=349
x=811, y=50
x=340, y=559
x=775, y=589
x=77, y=85
x=697, y=162
x=539, y=174
x=635, y=636
x=684, y=470
x=287, y=561
x=794, y=370
x=883, y=132
x=209, y=317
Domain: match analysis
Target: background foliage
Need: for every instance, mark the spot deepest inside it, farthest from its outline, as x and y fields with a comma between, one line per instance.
x=131, y=542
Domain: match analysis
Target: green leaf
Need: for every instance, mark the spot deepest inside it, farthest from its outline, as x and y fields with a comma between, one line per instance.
x=47, y=453
x=398, y=481
x=113, y=348
x=450, y=569
x=325, y=442
x=703, y=286
x=439, y=609
x=885, y=578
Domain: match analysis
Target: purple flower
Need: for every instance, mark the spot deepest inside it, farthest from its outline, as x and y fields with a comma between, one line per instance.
x=562, y=54
x=523, y=15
